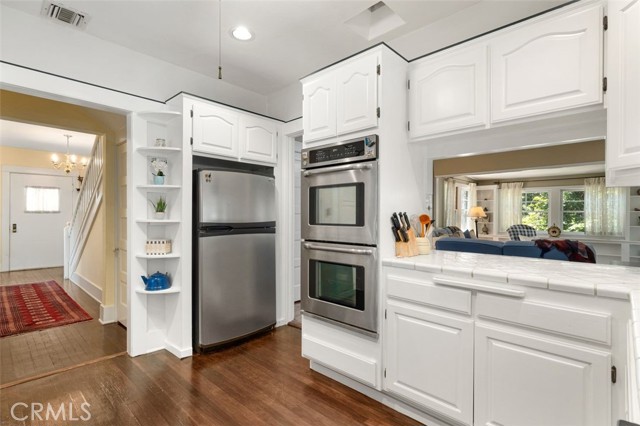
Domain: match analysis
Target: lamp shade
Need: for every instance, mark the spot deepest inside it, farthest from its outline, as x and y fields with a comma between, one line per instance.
x=476, y=212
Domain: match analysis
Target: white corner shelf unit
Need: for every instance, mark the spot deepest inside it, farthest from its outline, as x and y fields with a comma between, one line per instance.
x=487, y=198
x=157, y=318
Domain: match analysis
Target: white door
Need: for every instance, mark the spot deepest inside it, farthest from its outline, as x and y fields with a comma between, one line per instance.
x=121, y=249
x=548, y=66
x=215, y=130
x=623, y=126
x=258, y=139
x=357, y=95
x=449, y=92
x=528, y=381
x=41, y=205
x=319, y=108
x=429, y=360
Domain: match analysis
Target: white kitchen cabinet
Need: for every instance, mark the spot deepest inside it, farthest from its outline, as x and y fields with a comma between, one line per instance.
x=226, y=132
x=623, y=110
x=429, y=359
x=357, y=95
x=551, y=65
x=449, y=92
x=215, y=130
x=530, y=381
x=341, y=100
x=319, y=108
x=258, y=139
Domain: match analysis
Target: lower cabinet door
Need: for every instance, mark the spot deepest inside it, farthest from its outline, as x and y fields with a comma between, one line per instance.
x=529, y=381
x=429, y=360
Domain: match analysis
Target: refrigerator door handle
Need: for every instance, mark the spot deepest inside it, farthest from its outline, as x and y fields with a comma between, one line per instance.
x=337, y=249
x=348, y=167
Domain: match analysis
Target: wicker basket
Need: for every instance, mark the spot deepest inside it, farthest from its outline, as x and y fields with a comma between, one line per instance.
x=158, y=247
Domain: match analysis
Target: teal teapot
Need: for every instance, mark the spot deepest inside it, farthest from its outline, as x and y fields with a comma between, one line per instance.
x=157, y=281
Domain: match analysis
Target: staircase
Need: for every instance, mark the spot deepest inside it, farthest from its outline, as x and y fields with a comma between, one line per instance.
x=89, y=200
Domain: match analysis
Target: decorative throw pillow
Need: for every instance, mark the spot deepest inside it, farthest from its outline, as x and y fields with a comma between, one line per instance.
x=458, y=234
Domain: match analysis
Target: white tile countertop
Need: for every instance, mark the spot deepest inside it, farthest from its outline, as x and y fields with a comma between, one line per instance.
x=572, y=277
x=619, y=282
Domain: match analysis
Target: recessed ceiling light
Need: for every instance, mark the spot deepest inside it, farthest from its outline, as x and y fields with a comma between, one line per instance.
x=241, y=33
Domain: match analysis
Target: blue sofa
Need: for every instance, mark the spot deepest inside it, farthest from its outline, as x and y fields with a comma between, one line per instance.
x=506, y=248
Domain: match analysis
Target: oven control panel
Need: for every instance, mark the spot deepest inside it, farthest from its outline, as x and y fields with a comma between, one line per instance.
x=360, y=149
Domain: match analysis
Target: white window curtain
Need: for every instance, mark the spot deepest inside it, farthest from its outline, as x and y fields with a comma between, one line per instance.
x=449, y=202
x=604, y=208
x=510, y=204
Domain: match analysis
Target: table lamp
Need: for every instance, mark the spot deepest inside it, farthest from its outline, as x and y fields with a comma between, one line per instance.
x=476, y=213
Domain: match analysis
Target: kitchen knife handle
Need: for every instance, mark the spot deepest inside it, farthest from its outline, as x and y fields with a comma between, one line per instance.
x=395, y=234
x=406, y=220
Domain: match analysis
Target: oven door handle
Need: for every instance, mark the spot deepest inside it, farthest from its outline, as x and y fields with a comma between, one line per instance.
x=344, y=168
x=337, y=249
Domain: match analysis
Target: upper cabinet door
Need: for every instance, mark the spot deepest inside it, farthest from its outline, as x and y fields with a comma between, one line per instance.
x=319, y=108
x=215, y=130
x=357, y=95
x=258, y=139
x=548, y=66
x=449, y=92
x=623, y=111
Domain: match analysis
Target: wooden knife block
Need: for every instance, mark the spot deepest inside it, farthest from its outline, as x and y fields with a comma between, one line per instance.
x=408, y=249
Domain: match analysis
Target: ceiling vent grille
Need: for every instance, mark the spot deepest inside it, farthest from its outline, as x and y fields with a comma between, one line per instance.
x=58, y=12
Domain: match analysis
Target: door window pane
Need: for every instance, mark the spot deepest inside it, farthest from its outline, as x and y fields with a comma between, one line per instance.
x=337, y=205
x=337, y=283
x=40, y=199
x=535, y=210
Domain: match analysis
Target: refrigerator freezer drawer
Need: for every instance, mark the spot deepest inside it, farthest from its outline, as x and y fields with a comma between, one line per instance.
x=236, y=291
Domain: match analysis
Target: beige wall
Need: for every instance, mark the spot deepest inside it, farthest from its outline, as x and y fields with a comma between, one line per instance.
x=552, y=156
x=91, y=266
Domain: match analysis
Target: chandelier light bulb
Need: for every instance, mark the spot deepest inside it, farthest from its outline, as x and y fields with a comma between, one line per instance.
x=55, y=158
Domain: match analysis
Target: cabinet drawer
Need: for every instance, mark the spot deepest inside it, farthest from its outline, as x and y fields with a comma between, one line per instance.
x=425, y=293
x=564, y=320
x=341, y=350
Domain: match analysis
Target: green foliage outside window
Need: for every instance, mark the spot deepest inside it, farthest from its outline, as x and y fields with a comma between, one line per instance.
x=573, y=211
x=535, y=210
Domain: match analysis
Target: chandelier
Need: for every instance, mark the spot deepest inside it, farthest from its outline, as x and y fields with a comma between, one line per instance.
x=70, y=161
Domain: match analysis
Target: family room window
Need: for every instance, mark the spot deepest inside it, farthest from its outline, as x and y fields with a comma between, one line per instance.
x=573, y=211
x=40, y=199
x=535, y=210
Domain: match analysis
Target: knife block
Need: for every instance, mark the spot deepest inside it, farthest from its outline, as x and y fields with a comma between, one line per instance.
x=408, y=249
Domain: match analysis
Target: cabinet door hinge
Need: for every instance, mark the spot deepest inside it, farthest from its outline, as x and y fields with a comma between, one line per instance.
x=408, y=126
x=408, y=84
x=378, y=69
x=378, y=112
x=385, y=314
x=191, y=140
x=385, y=373
x=605, y=22
x=604, y=85
x=614, y=374
x=191, y=113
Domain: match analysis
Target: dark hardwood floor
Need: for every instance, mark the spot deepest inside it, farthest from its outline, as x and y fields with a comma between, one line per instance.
x=264, y=381
x=41, y=352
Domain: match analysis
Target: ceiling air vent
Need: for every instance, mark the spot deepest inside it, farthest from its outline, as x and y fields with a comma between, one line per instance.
x=58, y=12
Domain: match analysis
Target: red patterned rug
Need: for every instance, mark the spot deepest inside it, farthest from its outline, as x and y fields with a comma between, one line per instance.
x=30, y=307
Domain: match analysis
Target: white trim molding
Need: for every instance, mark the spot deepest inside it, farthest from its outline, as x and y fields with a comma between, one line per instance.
x=90, y=288
x=107, y=314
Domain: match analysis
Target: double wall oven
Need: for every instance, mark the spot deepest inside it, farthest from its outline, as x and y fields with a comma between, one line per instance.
x=340, y=233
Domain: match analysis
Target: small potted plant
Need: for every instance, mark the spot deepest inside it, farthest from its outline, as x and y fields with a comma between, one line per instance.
x=159, y=165
x=160, y=207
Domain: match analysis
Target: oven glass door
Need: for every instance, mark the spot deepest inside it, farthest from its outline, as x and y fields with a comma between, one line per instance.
x=339, y=203
x=339, y=282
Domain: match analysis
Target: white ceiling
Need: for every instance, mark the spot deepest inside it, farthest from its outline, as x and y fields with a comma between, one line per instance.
x=293, y=38
x=586, y=169
x=42, y=138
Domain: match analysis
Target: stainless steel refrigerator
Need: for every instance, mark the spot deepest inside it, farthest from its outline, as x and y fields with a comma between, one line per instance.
x=234, y=258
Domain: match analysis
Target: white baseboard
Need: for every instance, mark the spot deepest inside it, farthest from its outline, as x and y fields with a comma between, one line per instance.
x=107, y=314
x=180, y=353
x=90, y=288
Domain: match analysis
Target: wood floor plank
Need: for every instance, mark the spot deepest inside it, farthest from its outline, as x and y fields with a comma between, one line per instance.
x=264, y=381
